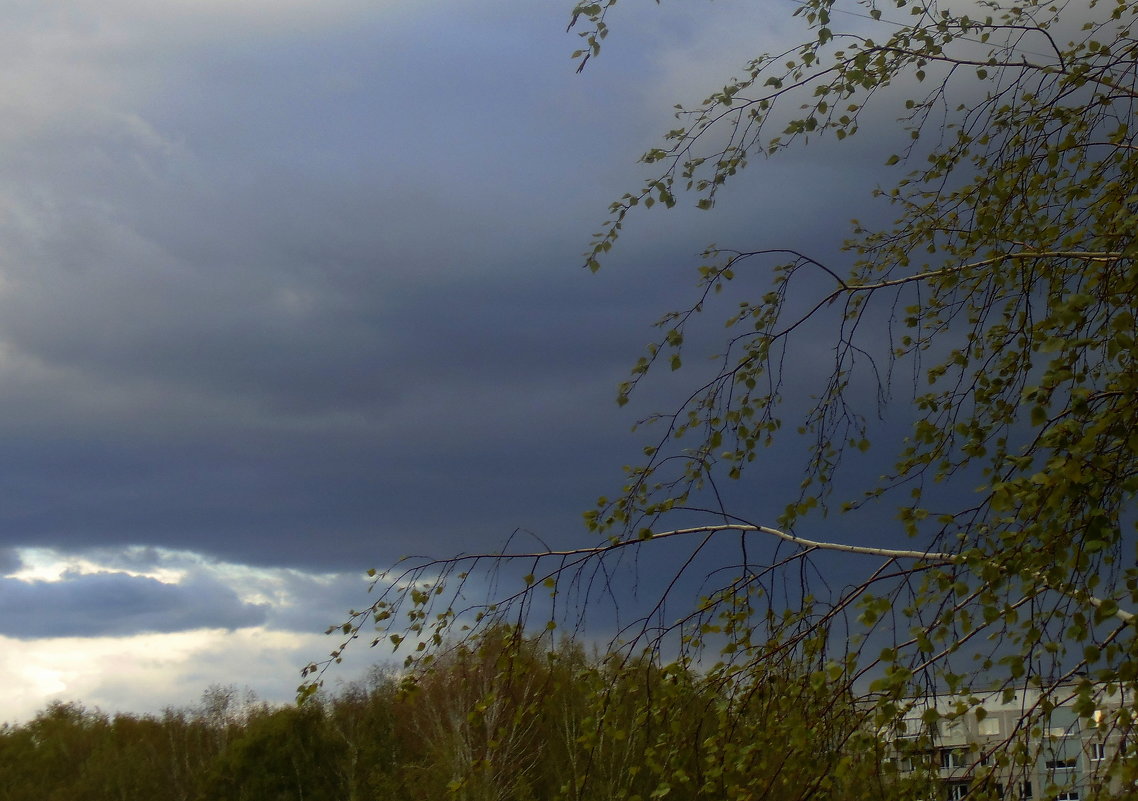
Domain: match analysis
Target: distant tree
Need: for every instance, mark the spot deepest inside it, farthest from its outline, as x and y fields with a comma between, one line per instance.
x=477, y=720
x=504, y=717
x=190, y=745
x=130, y=759
x=364, y=716
x=285, y=754
x=223, y=709
x=68, y=752
x=17, y=763
x=996, y=318
x=47, y=758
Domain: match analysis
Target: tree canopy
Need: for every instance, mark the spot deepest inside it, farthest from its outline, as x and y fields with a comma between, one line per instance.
x=994, y=319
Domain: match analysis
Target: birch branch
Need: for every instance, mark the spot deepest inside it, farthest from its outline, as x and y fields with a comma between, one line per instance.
x=927, y=557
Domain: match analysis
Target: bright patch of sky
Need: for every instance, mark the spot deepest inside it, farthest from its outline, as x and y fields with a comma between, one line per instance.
x=140, y=672
x=146, y=673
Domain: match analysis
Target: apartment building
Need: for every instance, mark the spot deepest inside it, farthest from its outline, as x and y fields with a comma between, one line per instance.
x=1053, y=756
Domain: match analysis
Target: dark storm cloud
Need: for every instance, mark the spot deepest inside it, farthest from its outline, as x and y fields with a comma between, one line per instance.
x=312, y=297
x=249, y=326
x=102, y=604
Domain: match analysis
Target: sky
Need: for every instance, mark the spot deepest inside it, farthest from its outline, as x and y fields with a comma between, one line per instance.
x=289, y=290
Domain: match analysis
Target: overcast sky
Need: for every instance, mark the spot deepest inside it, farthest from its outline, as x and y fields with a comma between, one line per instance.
x=290, y=289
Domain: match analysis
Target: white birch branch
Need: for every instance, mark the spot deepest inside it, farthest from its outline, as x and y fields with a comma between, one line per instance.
x=928, y=557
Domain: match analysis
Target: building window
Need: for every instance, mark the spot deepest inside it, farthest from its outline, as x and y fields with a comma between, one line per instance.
x=913, y=725
x=1097, y=751
x=1063, y=722
x=953, y=758
x=1025, y=791
x=902, y=764
x=988, y=726
x=1068, y=795
x=958, y=791
x=1062, y=765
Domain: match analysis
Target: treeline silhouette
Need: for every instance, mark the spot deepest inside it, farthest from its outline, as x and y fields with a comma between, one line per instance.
x=504, y=718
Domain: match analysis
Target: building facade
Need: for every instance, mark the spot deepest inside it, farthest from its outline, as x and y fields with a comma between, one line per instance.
x=1019, y=746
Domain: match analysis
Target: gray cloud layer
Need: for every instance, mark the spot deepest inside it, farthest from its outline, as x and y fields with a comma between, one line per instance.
x=102, y=604
x=298, y=286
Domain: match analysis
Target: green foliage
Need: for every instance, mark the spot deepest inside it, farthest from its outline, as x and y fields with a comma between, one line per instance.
x=1005, y=292
x=510, y=718
x=56, y=744
x=346, y=748
x=501, y=717
x=475, y=716
x=1009, y=281
x=289, y=753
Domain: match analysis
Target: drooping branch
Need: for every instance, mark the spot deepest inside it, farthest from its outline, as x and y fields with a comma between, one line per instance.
x=613, y=545
x=887, y=553
x=927, y=557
